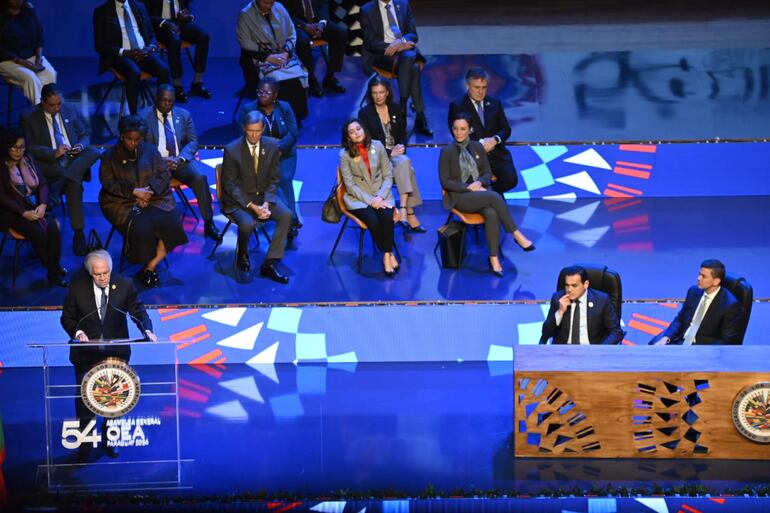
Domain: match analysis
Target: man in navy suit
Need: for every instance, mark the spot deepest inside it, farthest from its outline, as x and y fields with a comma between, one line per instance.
x=710, y=314
x=58, y=139
x=489, y=126
x=390, y=43
x=581, y=315
x=172, y=131
x=125, y=41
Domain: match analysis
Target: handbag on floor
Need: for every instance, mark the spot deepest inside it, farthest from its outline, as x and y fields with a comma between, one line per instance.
x=451, y=238
x=331, y=212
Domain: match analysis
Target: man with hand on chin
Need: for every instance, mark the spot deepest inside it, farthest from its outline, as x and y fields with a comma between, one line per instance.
x=581, y=315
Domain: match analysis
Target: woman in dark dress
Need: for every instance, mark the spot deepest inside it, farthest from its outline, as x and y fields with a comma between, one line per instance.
x=136, y=198
x=466, y=177
x=24, y=204
x=385, y=121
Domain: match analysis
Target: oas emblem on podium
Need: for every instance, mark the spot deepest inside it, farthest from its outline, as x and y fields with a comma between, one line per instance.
x=751, y=412
x=111, y=388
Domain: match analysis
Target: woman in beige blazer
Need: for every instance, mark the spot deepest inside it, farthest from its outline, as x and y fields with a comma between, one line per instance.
x=368, y=177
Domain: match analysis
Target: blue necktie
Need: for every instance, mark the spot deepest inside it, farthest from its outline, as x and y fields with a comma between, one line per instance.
x=480, y=110
x=171, y=10
x=57, y=134
x=170, y=142
x=103, y=304
x=392, y=21
x=132, y=41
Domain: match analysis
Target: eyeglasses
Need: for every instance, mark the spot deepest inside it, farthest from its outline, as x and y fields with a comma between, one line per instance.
x=19, y=148
x=265, y=92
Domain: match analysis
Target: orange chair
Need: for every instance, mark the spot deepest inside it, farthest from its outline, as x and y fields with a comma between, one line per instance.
x=468, y=218
x=178, y=188
x=145, y=93
x=341, y=189
x=231, y=219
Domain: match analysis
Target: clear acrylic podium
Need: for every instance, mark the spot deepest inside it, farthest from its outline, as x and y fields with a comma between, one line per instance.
x=135, y=450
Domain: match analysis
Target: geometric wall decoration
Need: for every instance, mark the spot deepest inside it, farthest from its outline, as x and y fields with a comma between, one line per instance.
x=665, y=417
x=551, y=420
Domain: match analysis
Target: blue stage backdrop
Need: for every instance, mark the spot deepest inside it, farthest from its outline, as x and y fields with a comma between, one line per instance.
x=344, y=334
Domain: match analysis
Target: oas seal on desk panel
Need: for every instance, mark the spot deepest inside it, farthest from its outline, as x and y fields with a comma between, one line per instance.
x=111, y=388
x=751, y=412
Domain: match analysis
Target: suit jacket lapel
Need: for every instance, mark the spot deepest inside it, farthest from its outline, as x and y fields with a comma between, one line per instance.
x=43, y=123
x=475, y=113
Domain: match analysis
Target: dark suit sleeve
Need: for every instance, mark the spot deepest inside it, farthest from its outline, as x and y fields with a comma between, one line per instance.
x=190, y=147
x=730, y=325
x=148, y=34
x=409, y=28
x=160, y=183
x=274, y=165
x=230, y=167
x=676, y=329
x=485, y=170
x=33, y=135
x=373, y=42
x=322, y=12
x=154, y=9
x=454, y=110
x=102, y=23
x=445, y=170
x=77, y=131
x=289, y=139
x=501, y=121
x=550, y=329
x=611, y=324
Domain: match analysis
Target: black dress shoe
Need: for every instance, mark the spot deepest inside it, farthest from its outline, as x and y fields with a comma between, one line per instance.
x=148, y=278
x=211, y=231
x=243, y=264
x=181, y=96
x=293, y=233
x=198, y=89
x=79, y=243
x=315, y=89
x=421, y=126
x=270, y=270
x=155, y=279
x=529, y=248
x=63, y=271
x=333, y=85
x=499, y=273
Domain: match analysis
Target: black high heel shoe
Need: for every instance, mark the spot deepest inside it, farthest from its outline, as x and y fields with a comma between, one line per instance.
x=529, y=248
x=499, y=273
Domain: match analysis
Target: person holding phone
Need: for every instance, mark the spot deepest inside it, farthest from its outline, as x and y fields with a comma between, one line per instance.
x=580, y=314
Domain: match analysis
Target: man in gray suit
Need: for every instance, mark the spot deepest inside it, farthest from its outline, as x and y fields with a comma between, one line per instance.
x=250, y=178
x=57, y=137
x=172, y=131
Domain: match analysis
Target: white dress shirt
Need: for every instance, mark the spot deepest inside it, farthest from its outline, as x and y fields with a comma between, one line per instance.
x=388, y=33
x=583, y=313
x=125, y=44
x=166, y=13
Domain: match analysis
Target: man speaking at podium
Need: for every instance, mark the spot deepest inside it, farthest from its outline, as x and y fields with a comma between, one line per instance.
x=96, y=308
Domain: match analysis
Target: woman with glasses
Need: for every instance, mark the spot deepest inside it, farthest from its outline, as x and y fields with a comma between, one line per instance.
x=24, y=204
x=282, y=126
x=385, y=120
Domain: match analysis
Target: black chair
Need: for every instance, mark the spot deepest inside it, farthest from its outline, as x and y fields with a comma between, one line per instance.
x=601, y=278
x=20, y=239
x=744, y=293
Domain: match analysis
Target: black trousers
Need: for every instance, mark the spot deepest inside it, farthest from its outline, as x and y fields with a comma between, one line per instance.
x=190, y=33
x=504, y=170
x=192, y=175
x=336, y=35
x=132, y=70
x=495, y=211
x=46, y=242
x=380, y=223
x=149, y=226
x=68, y=180
x=407, y=65
x=247, y=221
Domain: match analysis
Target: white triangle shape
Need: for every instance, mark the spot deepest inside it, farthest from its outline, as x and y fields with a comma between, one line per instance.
x=587, y=238
x=590, y=158
x=363, y=510
x=580, y=215
x=656, y=504
x=265, y=357
x=212, y=162
x=243, y=340
x=230, y=410
x=329, y=507
x=229, y=316
x=569, y=197
x=581, y=180
x=247, y=387
x=266, y=369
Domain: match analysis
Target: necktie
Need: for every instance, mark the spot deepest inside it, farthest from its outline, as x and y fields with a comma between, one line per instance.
x=392, y=20
x=480, y=109
x=307, y=6
x=255, y=155
x=575, y=323
x=132, y=41
x=689, y=336
x=171, y=10
x=57, y=133
x=170, y=140
x=103, y=304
